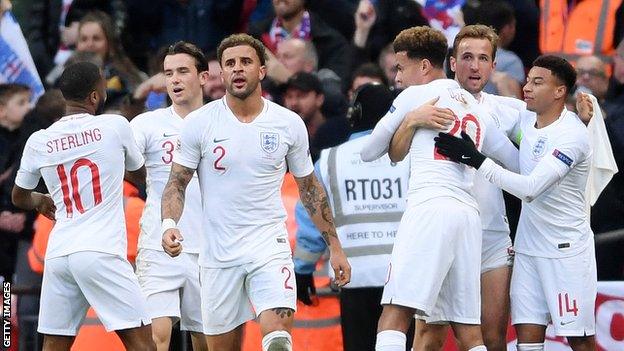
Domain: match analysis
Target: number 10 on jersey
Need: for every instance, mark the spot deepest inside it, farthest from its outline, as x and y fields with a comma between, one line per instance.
x=75, y=186
x=462, y=125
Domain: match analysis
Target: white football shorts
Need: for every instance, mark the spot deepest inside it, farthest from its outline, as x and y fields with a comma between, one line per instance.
x=561, y=290
x=436, y=261
x=171, y=286
x=495, y=250
x=76, y=281
x=234, y=295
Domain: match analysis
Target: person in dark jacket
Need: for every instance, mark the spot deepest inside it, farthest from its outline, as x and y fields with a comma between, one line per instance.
x=292, y=20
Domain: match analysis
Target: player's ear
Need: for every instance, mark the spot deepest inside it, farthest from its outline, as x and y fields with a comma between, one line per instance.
x=93, y=97
x=453, y=63
x=203, y=77
x=262, y=71
x=561, y=92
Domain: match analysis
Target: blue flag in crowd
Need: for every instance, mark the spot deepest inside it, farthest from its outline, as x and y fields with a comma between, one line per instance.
x=16, y=64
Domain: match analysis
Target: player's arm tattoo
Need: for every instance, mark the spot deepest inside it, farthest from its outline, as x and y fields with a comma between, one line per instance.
x=283, y=312
x=314, y=199
x=173, y=196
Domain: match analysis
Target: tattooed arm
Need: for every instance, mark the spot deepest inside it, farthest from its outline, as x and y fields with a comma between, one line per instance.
x=172, y=204
x=314, y=199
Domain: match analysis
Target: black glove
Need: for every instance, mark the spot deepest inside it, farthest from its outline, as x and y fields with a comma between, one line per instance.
x=459, y=150
x=305, y=288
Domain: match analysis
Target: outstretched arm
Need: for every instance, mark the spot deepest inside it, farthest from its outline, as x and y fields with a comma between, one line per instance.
x=172, y=206
x=314, y=199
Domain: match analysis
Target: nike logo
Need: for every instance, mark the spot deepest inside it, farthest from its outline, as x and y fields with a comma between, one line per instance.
x=215, y=140
x=566, y=323
x=465, y=157
x=165, y=135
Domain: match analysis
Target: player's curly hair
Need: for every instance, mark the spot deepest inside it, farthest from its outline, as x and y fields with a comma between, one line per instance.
x=422, y=43
x=240, y=40
x=476, y=31
x=560, y=68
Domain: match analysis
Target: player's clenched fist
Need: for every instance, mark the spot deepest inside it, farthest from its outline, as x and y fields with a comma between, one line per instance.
x=172, y=242
x=341, y=267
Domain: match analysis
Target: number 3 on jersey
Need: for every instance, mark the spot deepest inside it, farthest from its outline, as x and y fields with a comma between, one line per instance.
x=75, y=194
x=463, y=126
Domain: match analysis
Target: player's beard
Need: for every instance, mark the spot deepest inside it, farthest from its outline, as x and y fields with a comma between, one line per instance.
x=242, y=95
x=100, y=107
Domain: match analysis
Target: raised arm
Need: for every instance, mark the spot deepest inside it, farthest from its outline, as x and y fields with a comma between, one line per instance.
x=172, y=205
x=314, y=199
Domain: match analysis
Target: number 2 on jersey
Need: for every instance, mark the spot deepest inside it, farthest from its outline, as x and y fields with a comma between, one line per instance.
x=217, y=163
x=73, y=177
x=455, y=131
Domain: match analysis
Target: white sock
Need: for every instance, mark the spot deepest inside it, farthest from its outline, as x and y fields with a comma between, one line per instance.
x=279, y=340
x=478, y=348
x=390, y=340
x=536, y=346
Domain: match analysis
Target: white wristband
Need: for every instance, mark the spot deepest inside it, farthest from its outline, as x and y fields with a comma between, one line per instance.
x=168, y=223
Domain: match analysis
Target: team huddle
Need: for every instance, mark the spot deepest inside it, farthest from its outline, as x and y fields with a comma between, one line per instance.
x=214, y=251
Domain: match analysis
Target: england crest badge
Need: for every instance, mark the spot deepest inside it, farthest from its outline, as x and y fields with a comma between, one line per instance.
x=539, y=148
x=270, y=141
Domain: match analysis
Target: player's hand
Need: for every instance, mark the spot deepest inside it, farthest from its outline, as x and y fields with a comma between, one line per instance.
x=172, y=242
x=584, y=107
x=340, y=265
x=45, y=205
x=430, y=116
x=459, y=150
x=306, y=291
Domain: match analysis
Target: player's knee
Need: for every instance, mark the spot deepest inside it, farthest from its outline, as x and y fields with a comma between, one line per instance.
x=582, y=343
x=536, y=346
x=161, y=339
x=495, y=341
x=427, y=343
x=279, y=340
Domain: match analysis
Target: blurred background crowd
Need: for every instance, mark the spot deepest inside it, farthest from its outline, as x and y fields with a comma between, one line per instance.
x=321, y=51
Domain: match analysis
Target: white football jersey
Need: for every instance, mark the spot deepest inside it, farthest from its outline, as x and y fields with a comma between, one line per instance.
x=241, y=168
x=489, y=196
x=156, y=133
x=81, y=158
x=433, y=175
x=555, y=223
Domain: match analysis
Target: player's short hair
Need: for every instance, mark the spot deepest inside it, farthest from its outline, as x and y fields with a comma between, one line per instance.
x=476, y=31
x=8, y=90
x=422, y=43
x=242, y=39
x=560, y=68
x=79, y=80
x=183, y=47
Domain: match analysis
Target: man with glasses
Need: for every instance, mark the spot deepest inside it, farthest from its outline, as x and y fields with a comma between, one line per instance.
x=591, y=73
